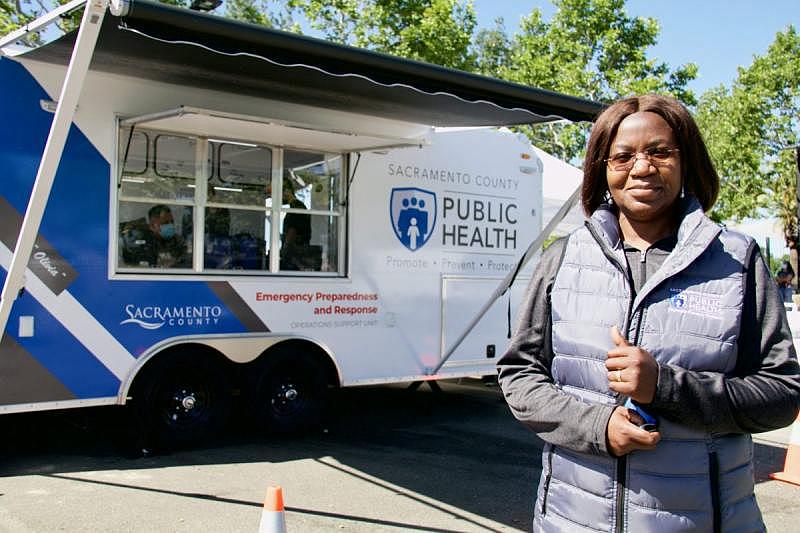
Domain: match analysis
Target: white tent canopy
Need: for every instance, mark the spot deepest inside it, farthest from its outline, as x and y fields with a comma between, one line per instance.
x=560, y=180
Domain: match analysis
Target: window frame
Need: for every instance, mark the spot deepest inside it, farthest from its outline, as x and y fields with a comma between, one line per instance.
x=202, y=175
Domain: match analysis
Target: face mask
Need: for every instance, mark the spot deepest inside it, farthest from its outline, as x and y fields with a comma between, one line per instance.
x=167, y=231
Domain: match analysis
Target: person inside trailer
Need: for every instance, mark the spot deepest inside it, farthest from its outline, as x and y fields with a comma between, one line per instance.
x=218, y=242
x=155, y=242
x=297, y=253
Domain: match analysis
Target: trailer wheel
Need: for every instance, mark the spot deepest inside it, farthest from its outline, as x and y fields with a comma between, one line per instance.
x=289, y=392
x=183, y=399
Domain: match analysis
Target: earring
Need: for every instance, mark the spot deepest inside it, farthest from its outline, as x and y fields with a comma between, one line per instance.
x=683, y=194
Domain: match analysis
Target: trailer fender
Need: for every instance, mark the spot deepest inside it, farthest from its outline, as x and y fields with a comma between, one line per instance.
x=237, y=348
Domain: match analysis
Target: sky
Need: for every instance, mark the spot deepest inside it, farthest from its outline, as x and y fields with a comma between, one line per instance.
x=717, y=35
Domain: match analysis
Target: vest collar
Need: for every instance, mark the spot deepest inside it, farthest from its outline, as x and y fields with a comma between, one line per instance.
x=696, y=232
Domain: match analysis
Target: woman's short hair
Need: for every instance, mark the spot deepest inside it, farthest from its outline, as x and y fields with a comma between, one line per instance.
x=697, y=171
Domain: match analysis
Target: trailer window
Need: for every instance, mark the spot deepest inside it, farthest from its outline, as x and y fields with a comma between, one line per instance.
x=179, y=216
x=310, y=211
x=237, y=200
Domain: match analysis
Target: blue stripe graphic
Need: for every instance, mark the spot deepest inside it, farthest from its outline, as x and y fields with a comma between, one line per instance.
x=76, y=223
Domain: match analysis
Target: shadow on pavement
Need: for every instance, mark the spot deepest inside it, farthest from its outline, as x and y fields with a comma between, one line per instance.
x=767, y=460
x=454, y=447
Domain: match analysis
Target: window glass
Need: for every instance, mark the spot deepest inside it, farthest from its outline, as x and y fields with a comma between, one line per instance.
x=173, y=175
x=242, y=176
x=155, y=235
x=134, y=152
x=157, y=206
x=314, y=178
x=175, y=156
x=310, y=211
x=309, y=242
x=235, y=239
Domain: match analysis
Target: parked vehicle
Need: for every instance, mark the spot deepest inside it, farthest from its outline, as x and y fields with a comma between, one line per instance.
x=244, y=212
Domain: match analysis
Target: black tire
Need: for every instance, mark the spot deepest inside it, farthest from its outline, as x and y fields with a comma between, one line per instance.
x=288, y=393
x=183, y=398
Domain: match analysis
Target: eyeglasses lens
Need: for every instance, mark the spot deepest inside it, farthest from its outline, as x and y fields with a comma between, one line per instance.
x=626, y=160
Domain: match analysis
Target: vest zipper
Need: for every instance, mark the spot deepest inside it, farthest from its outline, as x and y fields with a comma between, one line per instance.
x=713, y=475
x=715, y=505
x=622, y=462
x=622, y=467
x=547, y=480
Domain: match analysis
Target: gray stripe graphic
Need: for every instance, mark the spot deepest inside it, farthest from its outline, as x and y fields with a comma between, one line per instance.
x=237, y=306
x=48, y=265
x=23, y=379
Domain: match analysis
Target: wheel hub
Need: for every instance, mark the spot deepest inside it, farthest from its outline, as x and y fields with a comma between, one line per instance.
x=286, y=395
x=189, y=402
x=291, y=394
x=184, y=402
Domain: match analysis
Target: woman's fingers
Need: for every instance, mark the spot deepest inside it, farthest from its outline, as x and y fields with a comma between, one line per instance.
x=632, y=371
x=625, y=435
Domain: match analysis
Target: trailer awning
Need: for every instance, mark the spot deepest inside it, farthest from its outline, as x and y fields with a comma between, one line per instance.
x=174, y=45
x=259, y=130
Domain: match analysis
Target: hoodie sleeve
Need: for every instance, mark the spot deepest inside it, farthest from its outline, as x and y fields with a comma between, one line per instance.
x=525, y=378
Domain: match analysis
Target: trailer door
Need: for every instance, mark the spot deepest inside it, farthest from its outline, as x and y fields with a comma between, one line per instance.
x=462, y=298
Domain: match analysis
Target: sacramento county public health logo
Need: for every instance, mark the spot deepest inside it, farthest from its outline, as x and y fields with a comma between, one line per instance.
x=413, y=215
x=677, y=299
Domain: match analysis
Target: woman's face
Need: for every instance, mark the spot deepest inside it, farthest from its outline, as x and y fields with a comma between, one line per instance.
x=646, y=192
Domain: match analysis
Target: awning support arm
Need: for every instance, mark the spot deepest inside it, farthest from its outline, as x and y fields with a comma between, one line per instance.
x=504, y=285
x=59, y=129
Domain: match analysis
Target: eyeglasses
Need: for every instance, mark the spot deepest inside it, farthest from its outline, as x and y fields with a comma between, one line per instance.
x=658, y=157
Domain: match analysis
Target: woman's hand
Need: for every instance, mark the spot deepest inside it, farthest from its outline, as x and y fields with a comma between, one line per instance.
x=624, y=434
x=632, y=371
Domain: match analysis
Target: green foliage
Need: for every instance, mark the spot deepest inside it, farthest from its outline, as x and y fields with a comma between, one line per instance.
x=590, y=49
x=15, y=14
x=436, y=31
x=261, y=12
x=750, y=129
x=492, y=49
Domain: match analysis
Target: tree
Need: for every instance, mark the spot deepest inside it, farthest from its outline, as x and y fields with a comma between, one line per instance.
x=261, y=12
x=751, y=129
x=492, y=49
x=16, y=14
x=590, y=49
x=436, y=31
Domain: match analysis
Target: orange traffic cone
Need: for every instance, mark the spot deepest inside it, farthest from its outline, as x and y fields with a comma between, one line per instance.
x=791, y=468
x=272, y=517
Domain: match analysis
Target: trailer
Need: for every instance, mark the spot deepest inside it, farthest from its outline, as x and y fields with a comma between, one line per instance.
x=200, y=215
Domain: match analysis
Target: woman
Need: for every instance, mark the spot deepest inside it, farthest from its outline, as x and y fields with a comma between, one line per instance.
x=650, y=302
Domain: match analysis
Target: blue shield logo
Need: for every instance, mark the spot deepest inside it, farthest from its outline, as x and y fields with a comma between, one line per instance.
x=413, y=215
x=677, y=299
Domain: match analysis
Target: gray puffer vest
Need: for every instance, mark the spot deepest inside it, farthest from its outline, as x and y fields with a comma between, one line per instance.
x=687, y=314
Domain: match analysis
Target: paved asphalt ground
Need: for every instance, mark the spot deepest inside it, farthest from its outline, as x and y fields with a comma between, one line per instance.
x=388, y=459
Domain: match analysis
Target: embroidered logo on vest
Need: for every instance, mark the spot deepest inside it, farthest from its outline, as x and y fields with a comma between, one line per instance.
x=695, y=303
